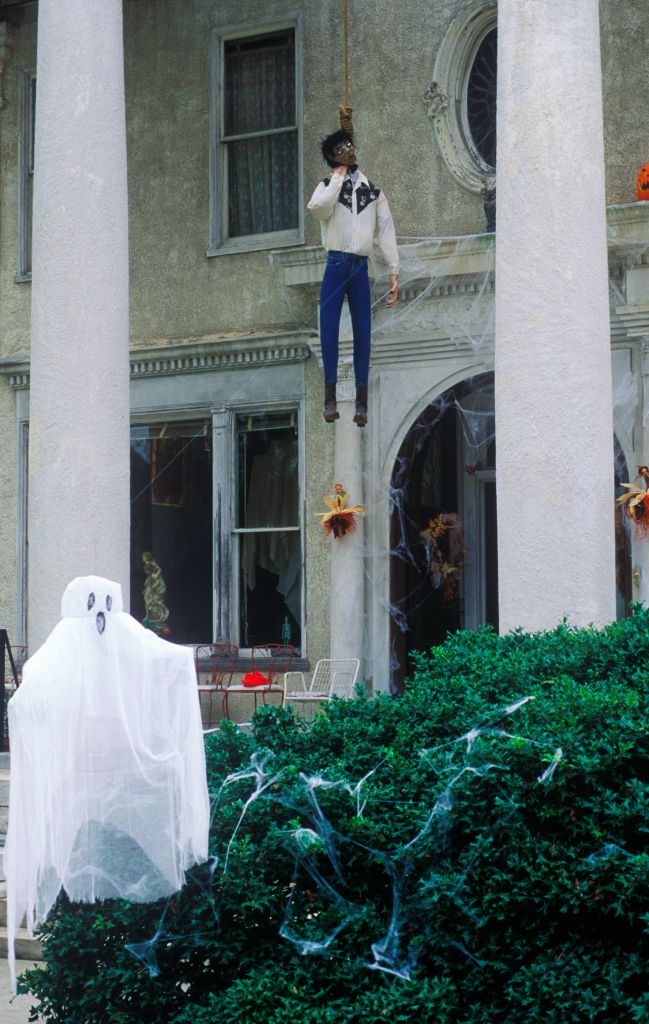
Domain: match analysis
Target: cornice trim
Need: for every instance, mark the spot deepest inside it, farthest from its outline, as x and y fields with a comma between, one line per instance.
x=195, y=355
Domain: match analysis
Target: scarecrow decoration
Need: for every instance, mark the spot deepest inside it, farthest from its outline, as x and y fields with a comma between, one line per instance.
x=635, y=503
x=341, y=518
x=445, y=551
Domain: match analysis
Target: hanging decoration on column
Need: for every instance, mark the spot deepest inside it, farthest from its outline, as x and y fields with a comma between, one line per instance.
x=642, y=184
x=635, y=503
x=445, y=550
x=341, y=517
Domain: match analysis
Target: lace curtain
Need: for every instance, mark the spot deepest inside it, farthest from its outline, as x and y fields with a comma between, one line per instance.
x=259, y=97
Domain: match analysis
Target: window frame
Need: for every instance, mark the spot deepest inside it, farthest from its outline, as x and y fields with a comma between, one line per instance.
x=219, y=242
x=235, y=532
x=181, y=415
x=26, y=130
x=446, y=96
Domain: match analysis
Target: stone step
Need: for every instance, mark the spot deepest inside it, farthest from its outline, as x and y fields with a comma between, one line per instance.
x=26, y=947
x=3, y=910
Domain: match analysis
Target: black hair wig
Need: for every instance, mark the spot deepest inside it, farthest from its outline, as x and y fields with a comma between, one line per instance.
x=329, y=144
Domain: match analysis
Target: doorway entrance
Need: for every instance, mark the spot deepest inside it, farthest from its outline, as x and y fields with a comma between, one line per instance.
x=446, y=467
x=443, y=498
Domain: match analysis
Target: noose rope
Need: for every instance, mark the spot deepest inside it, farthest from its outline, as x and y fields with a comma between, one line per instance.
x=345, y=111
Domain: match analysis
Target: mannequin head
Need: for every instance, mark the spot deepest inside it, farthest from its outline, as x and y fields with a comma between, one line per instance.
x=338, y=149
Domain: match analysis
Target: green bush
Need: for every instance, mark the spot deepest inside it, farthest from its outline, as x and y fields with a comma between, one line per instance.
x=460, y=855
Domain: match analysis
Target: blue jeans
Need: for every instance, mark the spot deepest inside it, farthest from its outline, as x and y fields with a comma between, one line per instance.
x=346, y=275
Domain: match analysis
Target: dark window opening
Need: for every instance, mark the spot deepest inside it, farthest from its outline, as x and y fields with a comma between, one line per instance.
x=268, y=524
x=171, y=529
x=481, y=98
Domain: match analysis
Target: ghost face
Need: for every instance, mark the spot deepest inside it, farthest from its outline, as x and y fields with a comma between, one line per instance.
x=100, y=617
x=92, y=597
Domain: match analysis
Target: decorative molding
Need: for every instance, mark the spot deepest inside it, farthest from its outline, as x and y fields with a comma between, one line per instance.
x=435, y=101
x=439, y=258
x=644, y=355
x=237, y=349
x=445, y=97
x=409, y=350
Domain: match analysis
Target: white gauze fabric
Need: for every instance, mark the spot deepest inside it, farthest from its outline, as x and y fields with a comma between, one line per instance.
x=108, y=789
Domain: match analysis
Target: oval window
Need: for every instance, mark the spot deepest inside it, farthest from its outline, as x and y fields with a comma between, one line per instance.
x=481, y=98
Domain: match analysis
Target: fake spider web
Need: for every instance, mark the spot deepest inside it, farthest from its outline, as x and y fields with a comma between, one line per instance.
x=322, y=901
x=446, y=298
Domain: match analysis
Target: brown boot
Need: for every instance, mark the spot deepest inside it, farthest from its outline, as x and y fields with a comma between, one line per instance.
x=360, y=419
x=331, y=413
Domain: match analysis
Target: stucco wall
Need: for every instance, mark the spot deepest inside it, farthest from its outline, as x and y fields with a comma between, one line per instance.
x=175, y=287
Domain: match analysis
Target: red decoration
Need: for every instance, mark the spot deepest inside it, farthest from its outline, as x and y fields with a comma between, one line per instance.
x=642, y=184
x=255, y=679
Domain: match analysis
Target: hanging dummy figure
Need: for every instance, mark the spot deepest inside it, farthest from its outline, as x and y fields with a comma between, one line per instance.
x=108, y=792
x=351, y=211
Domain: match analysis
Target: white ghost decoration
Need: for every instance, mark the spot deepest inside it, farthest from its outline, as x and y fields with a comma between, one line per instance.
x=108, y=789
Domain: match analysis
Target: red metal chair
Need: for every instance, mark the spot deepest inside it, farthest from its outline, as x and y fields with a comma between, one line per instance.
x=272, y=660
x=215, y=664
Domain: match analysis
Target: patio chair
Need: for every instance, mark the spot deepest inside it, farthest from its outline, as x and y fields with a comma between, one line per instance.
x=215, y=664
x=332, y=677
x=269, y=661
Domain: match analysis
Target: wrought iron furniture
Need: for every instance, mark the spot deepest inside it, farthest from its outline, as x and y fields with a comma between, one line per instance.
x=215, y=665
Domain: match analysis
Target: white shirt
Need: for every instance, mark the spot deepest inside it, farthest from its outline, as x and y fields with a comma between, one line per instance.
x=351, y=214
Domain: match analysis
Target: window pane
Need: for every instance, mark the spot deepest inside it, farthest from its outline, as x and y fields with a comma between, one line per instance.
x=270, y=588
x=262, y=185
x=267, y=470
x=481, y=98
x=259, y=83
x=171, y=529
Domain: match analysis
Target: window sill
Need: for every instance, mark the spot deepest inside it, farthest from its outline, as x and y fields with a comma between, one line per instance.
x=23, y=278
x=244, y=664
x=257, y=243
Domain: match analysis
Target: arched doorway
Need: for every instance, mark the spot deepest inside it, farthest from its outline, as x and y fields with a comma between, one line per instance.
x=446, y=467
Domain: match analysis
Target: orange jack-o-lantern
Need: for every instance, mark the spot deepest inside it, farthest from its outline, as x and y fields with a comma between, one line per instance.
x=642, y=186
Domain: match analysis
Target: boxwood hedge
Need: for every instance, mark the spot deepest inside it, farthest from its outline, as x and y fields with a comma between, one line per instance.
x=472, y=852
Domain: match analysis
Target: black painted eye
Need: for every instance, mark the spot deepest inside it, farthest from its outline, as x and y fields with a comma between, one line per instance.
x=101, y=622
x=91, y=601
x=109, y=602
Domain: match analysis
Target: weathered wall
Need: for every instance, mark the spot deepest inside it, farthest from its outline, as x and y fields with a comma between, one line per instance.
x=175, y=287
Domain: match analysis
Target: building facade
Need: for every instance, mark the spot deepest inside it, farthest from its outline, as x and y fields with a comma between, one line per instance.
x=229, y=453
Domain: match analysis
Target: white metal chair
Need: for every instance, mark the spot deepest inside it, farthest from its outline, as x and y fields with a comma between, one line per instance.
x=332, y=677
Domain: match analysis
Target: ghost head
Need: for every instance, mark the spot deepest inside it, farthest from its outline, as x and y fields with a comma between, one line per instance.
x=108, y=785
x=92, y=597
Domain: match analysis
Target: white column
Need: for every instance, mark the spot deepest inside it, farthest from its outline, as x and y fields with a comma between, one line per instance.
x=347, y=555
x=79, y=399
x=554, y=422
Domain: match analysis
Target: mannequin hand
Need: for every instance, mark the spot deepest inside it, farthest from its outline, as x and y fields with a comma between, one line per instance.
x=339, y=170
x=394, y=290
